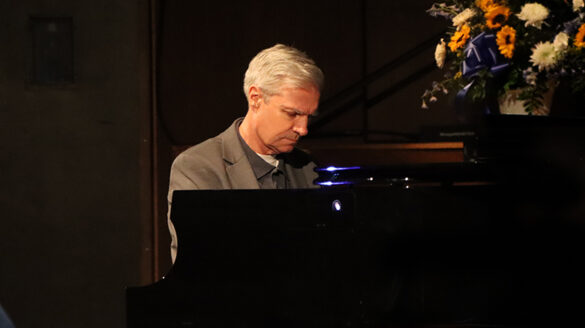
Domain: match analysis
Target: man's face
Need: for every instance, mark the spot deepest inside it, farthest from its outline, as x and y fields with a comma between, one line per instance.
x=283, y=119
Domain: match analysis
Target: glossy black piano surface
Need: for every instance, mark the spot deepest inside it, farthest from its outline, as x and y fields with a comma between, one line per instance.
x=434, y=255
x=488, y=242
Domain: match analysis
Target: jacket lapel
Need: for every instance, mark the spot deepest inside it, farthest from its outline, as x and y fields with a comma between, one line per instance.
x=241, y=175
x=238, y=168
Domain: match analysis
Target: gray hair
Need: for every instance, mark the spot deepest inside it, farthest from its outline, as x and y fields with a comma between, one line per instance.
x=282, y=65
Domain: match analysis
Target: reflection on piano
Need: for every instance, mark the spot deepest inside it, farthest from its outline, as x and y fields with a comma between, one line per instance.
x=496, y=240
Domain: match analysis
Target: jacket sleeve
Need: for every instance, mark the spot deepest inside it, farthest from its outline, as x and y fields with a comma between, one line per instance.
x=179, y=180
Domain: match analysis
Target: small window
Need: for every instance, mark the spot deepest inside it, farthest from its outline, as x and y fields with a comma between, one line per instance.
x=52, y=50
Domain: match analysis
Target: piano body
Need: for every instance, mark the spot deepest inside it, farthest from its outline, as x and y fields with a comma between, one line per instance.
x=496, y=240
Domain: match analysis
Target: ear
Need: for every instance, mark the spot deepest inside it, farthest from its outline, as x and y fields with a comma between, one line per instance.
x=254, y=97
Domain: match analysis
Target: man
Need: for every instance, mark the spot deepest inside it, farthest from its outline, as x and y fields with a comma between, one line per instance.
x=282, y=86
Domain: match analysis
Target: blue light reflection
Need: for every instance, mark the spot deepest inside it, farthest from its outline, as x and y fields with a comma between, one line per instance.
x=335, y=168
x=331, y=183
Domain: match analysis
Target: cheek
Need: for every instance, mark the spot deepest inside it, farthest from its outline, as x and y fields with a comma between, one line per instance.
x=283, y=129
x=274, y=125
x=277, y=127
x=275, y=133
x=268, y=131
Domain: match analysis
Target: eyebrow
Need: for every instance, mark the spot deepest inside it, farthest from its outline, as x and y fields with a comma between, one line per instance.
x=298, y=111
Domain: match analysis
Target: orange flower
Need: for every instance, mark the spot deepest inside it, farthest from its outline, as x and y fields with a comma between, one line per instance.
x=579, y=38
x=496, y=16
x=506, y=40
x=460, y=37
x=484, y=4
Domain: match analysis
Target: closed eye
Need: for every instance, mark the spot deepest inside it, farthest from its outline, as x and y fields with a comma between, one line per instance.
x=292, y=113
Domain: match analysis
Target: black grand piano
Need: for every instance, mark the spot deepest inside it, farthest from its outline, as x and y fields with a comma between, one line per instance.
x=494, y=241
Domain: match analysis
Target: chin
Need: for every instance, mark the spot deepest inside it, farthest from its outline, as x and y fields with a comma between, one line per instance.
x=285, y=149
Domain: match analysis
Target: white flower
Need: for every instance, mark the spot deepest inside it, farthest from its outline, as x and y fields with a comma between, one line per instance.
x=561, y=42
x=534, y=14
x=578, y=4
x=424, y=105
x=441, y=53
x=544, y=56
x=463, y=17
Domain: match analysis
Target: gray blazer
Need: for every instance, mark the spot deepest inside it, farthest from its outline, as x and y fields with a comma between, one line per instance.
x=220, y=163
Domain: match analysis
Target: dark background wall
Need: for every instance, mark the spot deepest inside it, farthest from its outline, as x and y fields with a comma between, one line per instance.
x=74, y=166
x=205, y=49
x=83, y=165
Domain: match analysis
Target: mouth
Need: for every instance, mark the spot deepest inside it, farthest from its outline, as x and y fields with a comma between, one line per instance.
x=294, y=137
x=290, y=140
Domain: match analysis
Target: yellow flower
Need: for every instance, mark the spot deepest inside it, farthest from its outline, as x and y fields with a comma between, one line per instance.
x=484, y=4
x=579, y=38
x=506, y=40
x=496, y=16
x=460, y=37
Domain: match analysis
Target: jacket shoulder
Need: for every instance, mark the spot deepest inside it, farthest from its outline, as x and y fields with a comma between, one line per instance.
x=199, y=167
x=207, y=150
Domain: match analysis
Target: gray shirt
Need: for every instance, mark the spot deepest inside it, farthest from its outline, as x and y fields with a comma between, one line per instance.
x=268, y=176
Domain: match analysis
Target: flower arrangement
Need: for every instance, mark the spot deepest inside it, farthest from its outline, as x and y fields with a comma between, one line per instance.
x=508, y=45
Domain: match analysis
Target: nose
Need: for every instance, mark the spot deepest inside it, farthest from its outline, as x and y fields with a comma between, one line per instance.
x=300, y=126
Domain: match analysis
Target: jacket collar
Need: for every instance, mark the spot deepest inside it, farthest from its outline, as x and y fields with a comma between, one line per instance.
x=238, y=169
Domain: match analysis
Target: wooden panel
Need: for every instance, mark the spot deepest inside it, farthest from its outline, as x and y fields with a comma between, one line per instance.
x=378, y=154
x=388, y=154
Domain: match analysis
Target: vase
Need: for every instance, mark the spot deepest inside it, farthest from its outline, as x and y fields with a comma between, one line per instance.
x=511, y=105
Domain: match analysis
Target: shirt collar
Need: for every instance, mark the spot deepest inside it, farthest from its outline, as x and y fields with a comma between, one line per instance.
x=259, y=166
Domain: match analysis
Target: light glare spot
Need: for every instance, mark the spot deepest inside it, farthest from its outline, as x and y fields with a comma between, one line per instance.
x=336, y=205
